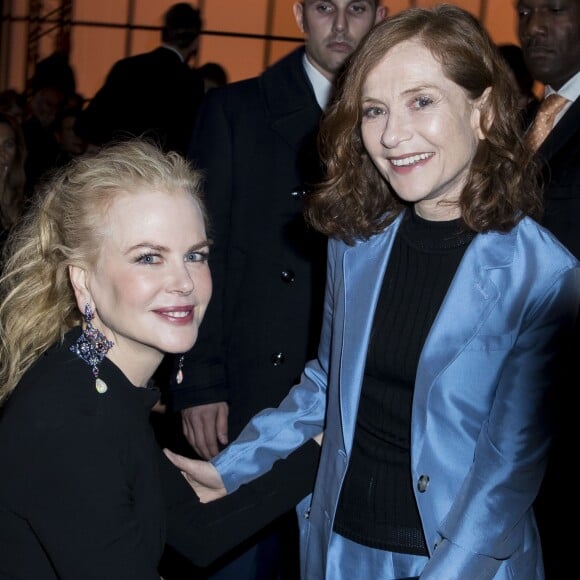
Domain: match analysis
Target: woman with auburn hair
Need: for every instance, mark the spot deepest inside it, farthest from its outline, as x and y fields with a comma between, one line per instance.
x=446, y=316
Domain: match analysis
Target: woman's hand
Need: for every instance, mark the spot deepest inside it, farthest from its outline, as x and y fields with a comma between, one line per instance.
x=203, y=477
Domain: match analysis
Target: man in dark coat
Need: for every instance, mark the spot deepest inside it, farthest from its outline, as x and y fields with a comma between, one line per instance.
x=256, y=142
x=155, y=94
x=548, y=34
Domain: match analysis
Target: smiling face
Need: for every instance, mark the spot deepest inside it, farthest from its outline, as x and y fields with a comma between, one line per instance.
x=548, y=32
x=334, y=28
x=420, y=129
x=151, y=284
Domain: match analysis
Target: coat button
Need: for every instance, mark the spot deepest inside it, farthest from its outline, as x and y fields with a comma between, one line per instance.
x=299, y=193
x=287, y=276
x=423, y=483
x=277, y=359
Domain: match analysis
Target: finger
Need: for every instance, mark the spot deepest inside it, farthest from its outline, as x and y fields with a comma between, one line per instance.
x=186, y=465
x=202, y=445
x=176, y=459
x=211, y=438
x=222, y=425
x=188, y=433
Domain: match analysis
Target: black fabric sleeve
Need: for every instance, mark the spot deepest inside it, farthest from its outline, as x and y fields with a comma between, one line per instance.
x=204, y=532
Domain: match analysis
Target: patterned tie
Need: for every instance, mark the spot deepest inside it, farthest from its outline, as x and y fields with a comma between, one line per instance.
x=544, y=119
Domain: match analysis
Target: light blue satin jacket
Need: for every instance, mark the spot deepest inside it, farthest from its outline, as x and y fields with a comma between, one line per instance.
x=478, y=440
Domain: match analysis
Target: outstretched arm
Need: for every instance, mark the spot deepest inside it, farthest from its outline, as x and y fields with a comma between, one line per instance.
x=202, y=532
x=208, y=485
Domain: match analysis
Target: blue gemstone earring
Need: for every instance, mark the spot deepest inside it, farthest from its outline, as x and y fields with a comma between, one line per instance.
x=92, y=346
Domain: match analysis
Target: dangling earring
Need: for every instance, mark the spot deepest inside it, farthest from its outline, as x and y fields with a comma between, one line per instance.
x=92, y=346
x=179, y=375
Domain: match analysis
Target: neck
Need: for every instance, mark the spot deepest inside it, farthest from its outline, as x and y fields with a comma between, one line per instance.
x=137, y=367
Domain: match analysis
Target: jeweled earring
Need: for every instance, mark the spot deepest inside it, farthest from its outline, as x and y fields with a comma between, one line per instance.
x=179, y=375
x=92, y=346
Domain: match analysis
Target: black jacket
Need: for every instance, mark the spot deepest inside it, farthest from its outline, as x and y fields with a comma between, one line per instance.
x=256, y=142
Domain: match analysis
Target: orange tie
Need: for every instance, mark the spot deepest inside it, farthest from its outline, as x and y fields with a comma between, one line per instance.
x=544, y=119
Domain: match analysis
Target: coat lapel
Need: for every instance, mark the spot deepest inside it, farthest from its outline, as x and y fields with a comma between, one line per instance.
x=289, y=99
x=471, y=297
x=363, y=268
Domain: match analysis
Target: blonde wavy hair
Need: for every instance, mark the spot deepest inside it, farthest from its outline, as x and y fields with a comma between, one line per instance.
x=64, y=228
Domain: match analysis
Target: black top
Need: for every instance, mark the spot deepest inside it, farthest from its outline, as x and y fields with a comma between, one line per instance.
x=377, y=507
x=86, y=492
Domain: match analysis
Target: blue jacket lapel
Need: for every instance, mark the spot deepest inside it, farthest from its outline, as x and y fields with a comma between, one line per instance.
x=363, y=269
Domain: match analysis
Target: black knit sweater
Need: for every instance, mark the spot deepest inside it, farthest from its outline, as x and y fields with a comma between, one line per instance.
x=377, y=507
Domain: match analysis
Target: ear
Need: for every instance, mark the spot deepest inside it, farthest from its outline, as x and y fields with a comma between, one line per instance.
x=482, y=114
x=298, y=9
x=381, y=14
x=79, y=280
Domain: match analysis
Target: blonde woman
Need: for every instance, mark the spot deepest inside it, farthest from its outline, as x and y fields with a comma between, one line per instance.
x=107, y=273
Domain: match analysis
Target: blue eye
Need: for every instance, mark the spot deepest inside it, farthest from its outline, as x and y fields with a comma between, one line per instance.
x=196, y=257
x=422, y=101
x=372, y=112
x=148, y=259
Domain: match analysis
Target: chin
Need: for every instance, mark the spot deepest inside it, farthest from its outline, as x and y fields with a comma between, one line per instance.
x=179, y=345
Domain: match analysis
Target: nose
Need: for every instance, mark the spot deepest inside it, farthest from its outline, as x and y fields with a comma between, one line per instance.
x=394, y=132
x=339, y=24
x=532, y=24
x=181, y=280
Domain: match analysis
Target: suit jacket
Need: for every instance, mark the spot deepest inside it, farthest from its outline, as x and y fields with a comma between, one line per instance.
x=560, y=154
x=87, y=493
x=255, y=141
x=153, y=94
x=478, y=435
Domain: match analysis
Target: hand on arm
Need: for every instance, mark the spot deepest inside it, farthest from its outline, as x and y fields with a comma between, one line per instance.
x=205, y=427
x=202, y=476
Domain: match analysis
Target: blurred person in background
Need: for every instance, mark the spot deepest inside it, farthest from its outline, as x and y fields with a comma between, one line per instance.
x=13, y=103
x=523, y=81
x=155, y=94
x=213, y=75
x=12, y=174
x=549, y=34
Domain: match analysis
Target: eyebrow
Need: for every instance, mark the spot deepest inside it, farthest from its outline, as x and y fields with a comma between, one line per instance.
x=407, y=92
x=158, y=248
